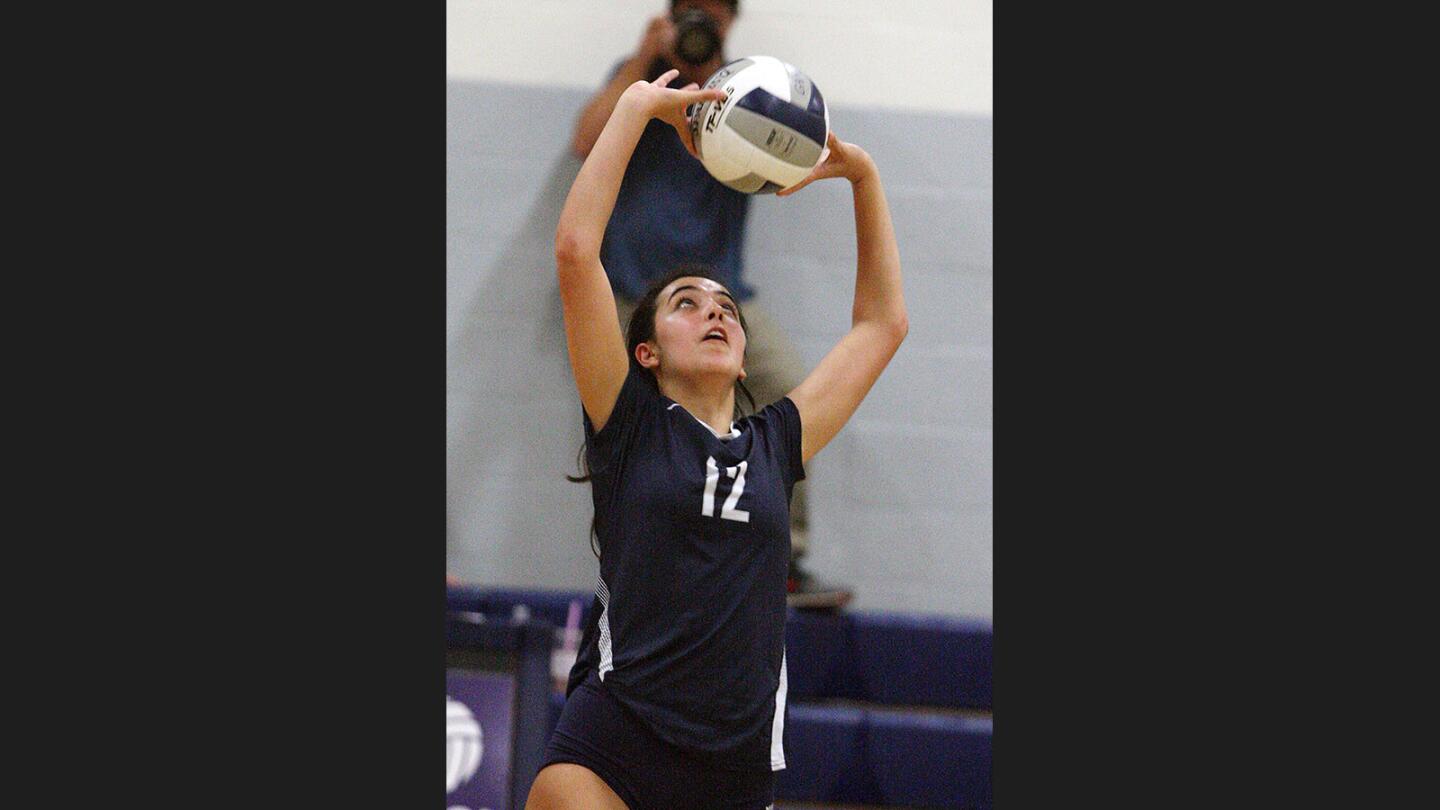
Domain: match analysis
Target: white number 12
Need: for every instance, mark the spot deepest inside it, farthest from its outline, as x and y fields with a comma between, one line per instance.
x=712, y=477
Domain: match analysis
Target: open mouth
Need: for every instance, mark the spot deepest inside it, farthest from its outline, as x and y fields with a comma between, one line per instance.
x=716, y=334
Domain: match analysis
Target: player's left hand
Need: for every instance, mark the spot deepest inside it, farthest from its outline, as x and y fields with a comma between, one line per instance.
x=838, y=159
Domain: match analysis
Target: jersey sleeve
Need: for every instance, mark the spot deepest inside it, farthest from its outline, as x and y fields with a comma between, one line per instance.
x=637, y=397
x=783, y=421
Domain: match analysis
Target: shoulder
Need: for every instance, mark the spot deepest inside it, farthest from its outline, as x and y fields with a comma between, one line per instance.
x=779, y=425
x=779, y=418
x=638, y=398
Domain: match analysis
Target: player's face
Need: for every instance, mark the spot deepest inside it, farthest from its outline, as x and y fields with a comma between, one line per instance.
x=697, y=326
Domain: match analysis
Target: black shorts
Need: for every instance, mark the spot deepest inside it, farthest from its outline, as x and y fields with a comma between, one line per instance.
x=645, y=771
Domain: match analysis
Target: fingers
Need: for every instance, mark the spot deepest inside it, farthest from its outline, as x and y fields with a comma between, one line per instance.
x=666, y=77
x=785, y=192
x=697, y=96
x=820, y=172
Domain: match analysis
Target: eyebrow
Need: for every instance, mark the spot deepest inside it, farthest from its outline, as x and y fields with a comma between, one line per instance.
x=693, y=287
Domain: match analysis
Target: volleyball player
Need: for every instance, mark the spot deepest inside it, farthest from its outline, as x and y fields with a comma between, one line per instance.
x=677, y=698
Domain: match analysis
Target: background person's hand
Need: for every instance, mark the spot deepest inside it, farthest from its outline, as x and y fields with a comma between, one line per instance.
x=838, y=159
x=658, y=39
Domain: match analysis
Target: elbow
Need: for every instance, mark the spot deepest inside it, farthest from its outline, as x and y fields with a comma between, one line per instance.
x=900, y=327
x=582, y=140
x=570, y=249
x=580, y=146
x=889, y=328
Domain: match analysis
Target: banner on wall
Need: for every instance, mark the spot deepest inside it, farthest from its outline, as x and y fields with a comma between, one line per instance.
x=479, y=726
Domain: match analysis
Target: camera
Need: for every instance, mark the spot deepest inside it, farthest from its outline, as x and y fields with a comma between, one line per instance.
x=697, y=38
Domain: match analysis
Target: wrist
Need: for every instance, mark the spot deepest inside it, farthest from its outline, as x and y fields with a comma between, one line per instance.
x=632, y=103
x=865, y=168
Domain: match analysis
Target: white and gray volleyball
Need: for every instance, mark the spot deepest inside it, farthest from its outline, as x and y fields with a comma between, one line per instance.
x=768, y=132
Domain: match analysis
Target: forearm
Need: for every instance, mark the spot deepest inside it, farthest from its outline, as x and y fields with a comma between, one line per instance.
x=878, y=295
x=592, y=119
x=592, y=197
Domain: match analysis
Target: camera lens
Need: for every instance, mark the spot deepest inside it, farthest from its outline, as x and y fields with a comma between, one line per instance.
x=696, y=36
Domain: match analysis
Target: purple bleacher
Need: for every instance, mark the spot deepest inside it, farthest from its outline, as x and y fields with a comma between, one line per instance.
x=552, y=606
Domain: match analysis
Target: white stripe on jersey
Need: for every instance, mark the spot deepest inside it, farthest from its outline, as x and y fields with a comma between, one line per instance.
x=777, y=727
x=734, y=431
x=607, y=655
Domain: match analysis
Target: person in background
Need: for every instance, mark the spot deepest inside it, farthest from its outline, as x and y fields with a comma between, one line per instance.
x=670, y=214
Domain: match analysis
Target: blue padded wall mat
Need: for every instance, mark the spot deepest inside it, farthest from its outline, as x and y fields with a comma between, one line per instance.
x=923, y=660
x=888, y=658
x=819, y=658
x=825, y=757
x=930, y=761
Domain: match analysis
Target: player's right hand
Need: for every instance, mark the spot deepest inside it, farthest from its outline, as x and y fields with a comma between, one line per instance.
x=656, y=100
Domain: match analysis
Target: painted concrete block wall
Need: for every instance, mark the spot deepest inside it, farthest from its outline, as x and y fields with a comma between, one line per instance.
x=933, y=55
x=901, y=500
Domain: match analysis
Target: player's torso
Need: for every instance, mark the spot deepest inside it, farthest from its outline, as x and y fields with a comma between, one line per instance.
x=695, y=550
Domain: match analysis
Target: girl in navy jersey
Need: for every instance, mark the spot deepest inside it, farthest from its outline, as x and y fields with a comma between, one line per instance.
x=677, y=698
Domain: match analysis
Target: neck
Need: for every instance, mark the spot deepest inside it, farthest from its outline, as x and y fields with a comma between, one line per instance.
x=712, y=402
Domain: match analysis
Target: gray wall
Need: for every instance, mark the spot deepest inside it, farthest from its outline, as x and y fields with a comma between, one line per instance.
x=901, y=500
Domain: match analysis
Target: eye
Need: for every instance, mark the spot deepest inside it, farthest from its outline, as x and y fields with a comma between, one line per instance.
x=684, y=301
x=730, y=308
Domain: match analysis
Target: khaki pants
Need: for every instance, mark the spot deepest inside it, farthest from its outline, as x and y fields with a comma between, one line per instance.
x=772, y=370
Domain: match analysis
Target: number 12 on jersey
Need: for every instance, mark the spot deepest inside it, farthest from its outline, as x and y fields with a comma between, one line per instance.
x=712, y=478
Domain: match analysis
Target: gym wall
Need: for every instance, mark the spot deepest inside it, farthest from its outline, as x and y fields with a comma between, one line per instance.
x=901, y=501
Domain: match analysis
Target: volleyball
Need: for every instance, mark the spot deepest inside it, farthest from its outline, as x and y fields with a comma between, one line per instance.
x=768, y=132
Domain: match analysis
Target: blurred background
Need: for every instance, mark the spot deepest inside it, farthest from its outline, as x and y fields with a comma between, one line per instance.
x=890, y=698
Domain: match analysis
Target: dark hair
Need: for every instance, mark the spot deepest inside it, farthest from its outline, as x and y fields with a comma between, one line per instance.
x=642, y=329
x=733, y=4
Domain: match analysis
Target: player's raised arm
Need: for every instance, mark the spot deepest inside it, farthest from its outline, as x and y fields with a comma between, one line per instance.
x=592, y=329
x=829, y=396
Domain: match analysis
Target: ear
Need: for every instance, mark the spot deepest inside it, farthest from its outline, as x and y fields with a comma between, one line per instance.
x=648, y=355
x=742, y=374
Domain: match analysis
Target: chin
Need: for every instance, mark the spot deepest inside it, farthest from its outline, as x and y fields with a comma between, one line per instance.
x=719, y=368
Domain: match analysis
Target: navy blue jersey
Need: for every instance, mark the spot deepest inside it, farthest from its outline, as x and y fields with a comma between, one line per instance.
x=688, y=625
